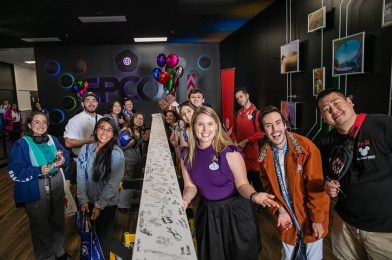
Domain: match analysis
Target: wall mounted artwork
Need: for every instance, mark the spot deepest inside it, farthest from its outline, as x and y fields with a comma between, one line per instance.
x=348, y=55
x=318, y=80
x=289, y=111
x=317, y=19
x=386, y=13
x=289, y=57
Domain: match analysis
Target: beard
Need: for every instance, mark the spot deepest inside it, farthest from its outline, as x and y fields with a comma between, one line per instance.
x=91, y=109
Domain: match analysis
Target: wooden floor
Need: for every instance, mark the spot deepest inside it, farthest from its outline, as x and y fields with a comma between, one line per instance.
x=15, y=241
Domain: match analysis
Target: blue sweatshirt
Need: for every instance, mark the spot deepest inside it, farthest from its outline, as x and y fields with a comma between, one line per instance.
x=24, y=174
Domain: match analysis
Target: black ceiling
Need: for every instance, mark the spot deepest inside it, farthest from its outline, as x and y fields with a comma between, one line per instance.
x=179, y=20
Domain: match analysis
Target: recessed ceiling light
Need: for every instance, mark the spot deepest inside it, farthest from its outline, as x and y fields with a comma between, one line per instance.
x=45, y=39
x=102, y=19
x=30, y=61
x=151, y=39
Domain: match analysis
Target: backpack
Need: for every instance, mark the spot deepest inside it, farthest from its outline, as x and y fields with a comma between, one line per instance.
x=341, y=156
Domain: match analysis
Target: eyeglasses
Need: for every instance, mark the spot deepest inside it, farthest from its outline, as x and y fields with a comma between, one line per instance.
x=36, y=122
x=103, y=129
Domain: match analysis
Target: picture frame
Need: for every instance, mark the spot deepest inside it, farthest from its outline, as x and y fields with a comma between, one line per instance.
x=289, y=111
x=386, y=13
x=317, y=19
x=289, y=57
x=348, y=55
x=318, y=80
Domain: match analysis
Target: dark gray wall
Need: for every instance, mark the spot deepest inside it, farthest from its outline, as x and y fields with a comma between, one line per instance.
x=7, y=83
x=108, y=81
x=255, y=49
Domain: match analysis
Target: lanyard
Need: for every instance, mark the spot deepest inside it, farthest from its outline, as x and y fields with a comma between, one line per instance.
x=357, y=125
x=282, y=187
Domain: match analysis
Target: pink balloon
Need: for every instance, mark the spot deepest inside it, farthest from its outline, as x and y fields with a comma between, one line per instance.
x=172, y=60
x=82, y=91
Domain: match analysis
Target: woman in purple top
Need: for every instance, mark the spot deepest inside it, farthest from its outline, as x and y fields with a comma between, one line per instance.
x=226, y=225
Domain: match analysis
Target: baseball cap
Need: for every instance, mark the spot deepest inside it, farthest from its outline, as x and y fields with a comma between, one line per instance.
x=88, y=94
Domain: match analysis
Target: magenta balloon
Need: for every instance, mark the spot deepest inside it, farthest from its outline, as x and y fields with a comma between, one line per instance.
x=161, y=60
x=81, y=92
x=172, y=60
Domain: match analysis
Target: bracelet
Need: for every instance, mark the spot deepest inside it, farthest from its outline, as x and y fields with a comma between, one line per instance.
x=251, y=196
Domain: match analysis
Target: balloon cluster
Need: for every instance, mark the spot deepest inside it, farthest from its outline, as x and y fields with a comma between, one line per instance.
x=80, y=87
x=171, y=73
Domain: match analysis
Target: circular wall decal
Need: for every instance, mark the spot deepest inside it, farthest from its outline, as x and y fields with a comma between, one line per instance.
x=52, y=67
x=126, y=61
x=56, y=116
x=130, y=87
x=66, y=80
x=80, y=67
x=69, y=103
x=149, y=89
x=204, y=62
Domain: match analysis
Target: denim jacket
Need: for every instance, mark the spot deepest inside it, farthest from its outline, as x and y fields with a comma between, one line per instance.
x=103, y=192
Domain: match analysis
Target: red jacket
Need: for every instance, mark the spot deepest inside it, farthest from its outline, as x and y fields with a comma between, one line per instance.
x=305, y=183
x=247, y=127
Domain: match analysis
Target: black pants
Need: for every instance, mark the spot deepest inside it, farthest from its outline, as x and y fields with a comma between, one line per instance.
x=255, y=180
x=104, y=225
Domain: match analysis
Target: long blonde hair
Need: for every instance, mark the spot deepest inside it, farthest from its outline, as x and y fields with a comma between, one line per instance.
x=218, y=143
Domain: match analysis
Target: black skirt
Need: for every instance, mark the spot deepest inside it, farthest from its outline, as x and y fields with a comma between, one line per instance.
x=227, y=229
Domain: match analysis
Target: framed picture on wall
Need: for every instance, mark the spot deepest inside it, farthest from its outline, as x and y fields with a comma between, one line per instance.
x=317, y=19
x=289, y=111
x=386, y=13
x=318, y=80
x=348, y=55
x=289, y=57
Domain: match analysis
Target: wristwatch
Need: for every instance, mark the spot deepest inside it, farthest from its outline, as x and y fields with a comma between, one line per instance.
x=96, y=205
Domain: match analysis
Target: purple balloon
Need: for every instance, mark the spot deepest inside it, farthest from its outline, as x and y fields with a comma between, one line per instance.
x=172, y=60
x=161, y=60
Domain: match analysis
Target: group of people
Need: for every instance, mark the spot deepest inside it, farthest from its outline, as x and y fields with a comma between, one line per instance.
x=36, y=164
x=11, y=119
x=353, y=170
x=107, y=151
x=261, y=164
x=222, y=172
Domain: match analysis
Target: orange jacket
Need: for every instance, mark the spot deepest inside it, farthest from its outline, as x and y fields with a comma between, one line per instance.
x=305, y=184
